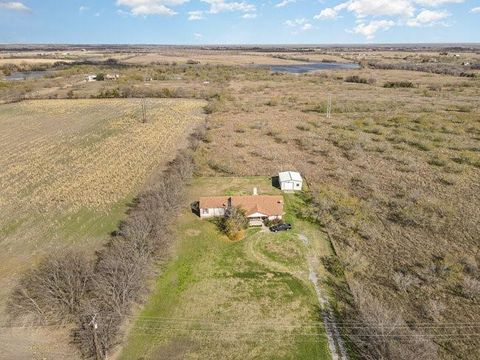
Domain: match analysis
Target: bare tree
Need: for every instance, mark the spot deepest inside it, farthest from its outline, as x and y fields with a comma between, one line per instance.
x=384, y=334
x=55, y=290
x=120, y=275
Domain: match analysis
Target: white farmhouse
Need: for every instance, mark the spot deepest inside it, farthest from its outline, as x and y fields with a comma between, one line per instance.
x=290, y=181
x=257, y=207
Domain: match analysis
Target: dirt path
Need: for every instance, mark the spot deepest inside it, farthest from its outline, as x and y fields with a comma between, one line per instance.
x=336, y=344
x=335, y=341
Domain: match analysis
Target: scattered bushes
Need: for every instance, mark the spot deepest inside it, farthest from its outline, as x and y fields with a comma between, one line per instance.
x=359, y=80
x=398, y=84
x=435, y=68
x=384, y=334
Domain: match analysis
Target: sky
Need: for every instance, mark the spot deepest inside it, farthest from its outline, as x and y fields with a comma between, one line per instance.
x=239, y=21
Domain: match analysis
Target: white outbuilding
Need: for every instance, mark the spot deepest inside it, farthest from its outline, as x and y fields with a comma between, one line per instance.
x=290, y=181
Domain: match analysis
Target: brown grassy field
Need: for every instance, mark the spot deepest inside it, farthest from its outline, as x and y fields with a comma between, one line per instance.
x=70, y=167
x=21, y=61
x=231, y=57
x=393, y=172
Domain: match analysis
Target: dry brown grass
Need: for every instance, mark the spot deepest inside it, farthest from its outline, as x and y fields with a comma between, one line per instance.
x=29, y=61
x=231, y=57
x=395, y=172
x=69, y=167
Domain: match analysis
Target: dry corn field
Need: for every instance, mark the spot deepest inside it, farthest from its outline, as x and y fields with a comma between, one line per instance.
x=69, y=168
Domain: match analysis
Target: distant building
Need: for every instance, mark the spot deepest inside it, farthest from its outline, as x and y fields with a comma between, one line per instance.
x=90, y=78
x=290, y=181
x=257, y=207
x=112, y=76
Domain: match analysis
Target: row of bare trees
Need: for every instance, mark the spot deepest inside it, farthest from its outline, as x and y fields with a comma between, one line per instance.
x=435, y=68
x=96, y=293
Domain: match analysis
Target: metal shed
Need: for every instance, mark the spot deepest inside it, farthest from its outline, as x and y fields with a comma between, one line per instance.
x=290, y=181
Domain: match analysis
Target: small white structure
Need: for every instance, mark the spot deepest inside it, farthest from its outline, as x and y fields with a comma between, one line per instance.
x=290, y=181
x=112, y=76
x=90, y=78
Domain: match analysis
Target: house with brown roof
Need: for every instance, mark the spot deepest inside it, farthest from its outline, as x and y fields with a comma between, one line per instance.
x=257, y=207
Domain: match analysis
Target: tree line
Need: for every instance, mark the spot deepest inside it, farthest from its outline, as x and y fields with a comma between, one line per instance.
x=96, y=294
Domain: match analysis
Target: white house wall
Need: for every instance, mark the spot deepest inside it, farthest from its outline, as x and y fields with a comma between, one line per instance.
x=213, y=212
x=291, y=185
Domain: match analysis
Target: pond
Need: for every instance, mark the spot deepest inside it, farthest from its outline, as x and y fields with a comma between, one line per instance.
x=16, y=76
x=309, y=67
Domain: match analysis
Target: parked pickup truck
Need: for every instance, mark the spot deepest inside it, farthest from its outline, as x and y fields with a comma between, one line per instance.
x=280, y=227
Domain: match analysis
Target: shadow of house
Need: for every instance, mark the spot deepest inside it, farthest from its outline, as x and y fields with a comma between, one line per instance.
x=276, y=182
x=195, y=207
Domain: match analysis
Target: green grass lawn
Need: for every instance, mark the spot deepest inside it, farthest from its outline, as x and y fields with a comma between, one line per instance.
x=219, y=299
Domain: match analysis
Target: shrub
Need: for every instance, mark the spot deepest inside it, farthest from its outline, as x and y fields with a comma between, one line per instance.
x=356, y=79
x=471, y=288
x=404, y=281
x=267, y=222
x=333, y=265
x=234, y=223
x=303, y=128
x=398, y=84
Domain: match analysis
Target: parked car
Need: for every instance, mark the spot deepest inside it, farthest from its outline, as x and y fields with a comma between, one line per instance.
x=280, y=227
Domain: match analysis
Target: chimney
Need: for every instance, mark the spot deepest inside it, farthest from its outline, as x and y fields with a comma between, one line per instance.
x=255, y=191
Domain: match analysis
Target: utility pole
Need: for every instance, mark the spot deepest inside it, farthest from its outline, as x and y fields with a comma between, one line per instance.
x=94, y=325
x=329, y=106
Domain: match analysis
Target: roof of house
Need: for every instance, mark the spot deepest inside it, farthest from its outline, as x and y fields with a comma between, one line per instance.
x=289, y=176
x=269, y=205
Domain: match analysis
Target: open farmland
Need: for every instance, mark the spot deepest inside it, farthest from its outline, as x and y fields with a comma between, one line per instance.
x=70, y=167
x=223, y=299
x=392, y=197
x=394, y=174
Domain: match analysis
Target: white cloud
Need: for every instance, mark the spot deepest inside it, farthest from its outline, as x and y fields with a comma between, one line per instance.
x=196, y=15
x=82, y=9
x=151, y=7
x=249, y=16
x=300, y=24
x=369, y=29
x=284, y=3
x=328, y=13
x=428, y=18
x=363, y=8
x=370, y=14
x=198, y=35
x=14, y=5
x=475, y=10
x=219, y=6
x=434, y=3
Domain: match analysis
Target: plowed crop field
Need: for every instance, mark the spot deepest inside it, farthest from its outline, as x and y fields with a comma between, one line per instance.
x=68, y=169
